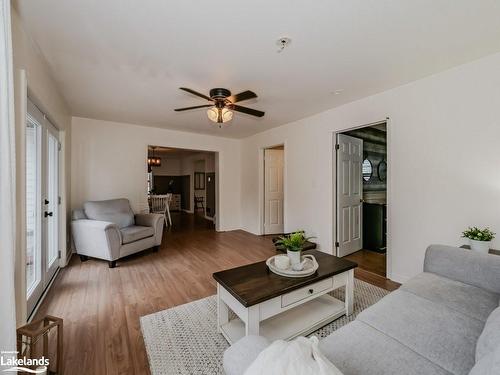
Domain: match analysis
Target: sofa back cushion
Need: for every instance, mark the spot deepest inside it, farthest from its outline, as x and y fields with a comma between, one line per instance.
x=489, y=340
x=116, y=211
x=466, y=266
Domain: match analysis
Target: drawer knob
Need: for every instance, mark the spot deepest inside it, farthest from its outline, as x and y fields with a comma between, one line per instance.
x=311, y=291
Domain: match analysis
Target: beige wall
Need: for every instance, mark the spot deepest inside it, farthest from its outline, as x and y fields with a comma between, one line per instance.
x=444, y=172
x=31, y=74
x=109, y=161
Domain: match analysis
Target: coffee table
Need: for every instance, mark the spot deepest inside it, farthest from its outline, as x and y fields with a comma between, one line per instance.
x=280, y=307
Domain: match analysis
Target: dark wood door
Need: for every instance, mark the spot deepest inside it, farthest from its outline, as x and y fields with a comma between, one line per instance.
x=210, y=192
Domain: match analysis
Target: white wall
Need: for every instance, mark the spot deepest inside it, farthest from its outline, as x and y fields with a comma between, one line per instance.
x=444, y=162
x=109, y=161
x=33, y=74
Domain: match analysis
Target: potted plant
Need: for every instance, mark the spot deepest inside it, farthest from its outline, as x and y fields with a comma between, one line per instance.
x=293, y=244
x=480, y=239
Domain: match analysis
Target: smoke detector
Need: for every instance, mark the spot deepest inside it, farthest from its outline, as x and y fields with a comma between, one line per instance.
x=283, y=42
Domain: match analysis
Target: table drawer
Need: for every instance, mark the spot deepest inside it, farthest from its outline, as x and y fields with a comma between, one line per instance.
x=306, y=292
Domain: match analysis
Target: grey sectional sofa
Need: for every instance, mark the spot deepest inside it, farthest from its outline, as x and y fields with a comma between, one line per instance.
x=444, y=321
x=109, y=230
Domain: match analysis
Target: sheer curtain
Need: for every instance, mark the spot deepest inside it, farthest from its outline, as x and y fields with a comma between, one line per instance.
x=7, y=186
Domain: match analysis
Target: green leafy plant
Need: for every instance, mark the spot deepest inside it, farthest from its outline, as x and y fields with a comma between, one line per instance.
x=477, y=234
x=293, y=241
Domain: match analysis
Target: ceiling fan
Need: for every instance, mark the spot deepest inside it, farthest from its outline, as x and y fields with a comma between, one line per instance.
x=223, y=103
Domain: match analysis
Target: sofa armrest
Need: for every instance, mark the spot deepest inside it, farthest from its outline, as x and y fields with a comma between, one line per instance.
x=97, y=239
x=239, y=356
x=469, y=267
x=155, y=221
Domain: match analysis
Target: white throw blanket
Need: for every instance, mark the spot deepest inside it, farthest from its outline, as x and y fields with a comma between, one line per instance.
x=297, y=357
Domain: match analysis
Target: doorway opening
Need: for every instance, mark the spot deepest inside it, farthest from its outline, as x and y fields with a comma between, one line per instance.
x=361, y=196
x=274, y=192
x=182, y=185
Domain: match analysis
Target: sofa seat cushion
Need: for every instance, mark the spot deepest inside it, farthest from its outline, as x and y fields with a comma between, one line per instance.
x=135, y=233
x=358, y=349
x=116, y=211
x=489, y=340
x=440, y=334
x=466, y=299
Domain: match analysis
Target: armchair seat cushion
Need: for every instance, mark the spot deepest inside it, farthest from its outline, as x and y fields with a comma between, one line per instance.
x=135, y=233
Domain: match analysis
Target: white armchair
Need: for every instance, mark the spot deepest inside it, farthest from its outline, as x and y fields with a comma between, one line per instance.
x=109, y=230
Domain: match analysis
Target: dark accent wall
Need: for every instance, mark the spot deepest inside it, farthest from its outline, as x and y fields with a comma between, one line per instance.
x=175, y=185
x=375, y=150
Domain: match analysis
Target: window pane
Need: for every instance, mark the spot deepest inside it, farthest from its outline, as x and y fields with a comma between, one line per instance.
x=33, y=225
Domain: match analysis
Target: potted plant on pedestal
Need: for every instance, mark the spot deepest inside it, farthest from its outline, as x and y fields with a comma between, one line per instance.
x=293, y=244
x=480, y=239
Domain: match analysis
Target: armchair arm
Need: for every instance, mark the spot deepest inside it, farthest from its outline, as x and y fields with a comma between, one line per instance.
x=469, y=267
x=98, y=239
x=152, y=220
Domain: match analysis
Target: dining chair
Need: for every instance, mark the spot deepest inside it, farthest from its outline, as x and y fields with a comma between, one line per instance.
x=160, y=205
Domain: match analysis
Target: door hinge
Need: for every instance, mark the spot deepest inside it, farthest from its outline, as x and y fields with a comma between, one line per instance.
x=337, y=146
x=337, y=244
x=59, y=254
x=58, y=200
x=59, y=147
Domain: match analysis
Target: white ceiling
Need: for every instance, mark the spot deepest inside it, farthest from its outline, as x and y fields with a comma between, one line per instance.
x=124, y=60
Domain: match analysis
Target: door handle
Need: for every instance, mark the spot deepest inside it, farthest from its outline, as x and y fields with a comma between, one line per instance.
x=48, y=214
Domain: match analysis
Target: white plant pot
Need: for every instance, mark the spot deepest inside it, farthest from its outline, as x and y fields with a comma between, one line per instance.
x=480, y=246
x=294, y=259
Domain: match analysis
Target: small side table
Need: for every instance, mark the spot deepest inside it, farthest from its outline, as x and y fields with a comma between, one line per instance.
x=492, y=251
x=29, y=335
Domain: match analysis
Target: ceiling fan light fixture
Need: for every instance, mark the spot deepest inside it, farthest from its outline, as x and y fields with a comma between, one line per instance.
x=219, y=115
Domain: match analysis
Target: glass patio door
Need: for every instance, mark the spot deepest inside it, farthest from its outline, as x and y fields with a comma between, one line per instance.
x=42, y=204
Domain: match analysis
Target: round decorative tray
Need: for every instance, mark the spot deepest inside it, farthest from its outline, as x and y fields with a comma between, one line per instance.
x=310, y=266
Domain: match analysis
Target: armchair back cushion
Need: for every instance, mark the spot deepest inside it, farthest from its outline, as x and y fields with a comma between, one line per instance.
x=78, y=214
x=116, y=211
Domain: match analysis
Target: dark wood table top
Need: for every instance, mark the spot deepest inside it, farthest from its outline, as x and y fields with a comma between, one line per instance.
x=255, y=283
x=492, y=251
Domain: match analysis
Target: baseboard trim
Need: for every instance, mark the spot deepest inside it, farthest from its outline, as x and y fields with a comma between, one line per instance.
x=32, y=315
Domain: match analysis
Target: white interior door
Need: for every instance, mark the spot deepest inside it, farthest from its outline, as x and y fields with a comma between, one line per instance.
x=51, y=202
x=273, y=191
x=349, y=194
x=42, y=204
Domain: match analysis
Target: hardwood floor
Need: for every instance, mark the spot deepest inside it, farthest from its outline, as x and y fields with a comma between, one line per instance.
x=369, y=261
x=101, y=307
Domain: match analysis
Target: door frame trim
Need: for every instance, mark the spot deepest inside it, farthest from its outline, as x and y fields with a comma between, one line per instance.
x=262, y=196
x=388, y=123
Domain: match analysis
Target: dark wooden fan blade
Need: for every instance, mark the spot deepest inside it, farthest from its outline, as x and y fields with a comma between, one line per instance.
x=248, y=111
x=197, y=106
x=196, y=93
x=245, y=95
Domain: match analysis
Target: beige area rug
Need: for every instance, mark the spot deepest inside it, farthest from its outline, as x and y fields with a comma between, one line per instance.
x=184, y=341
